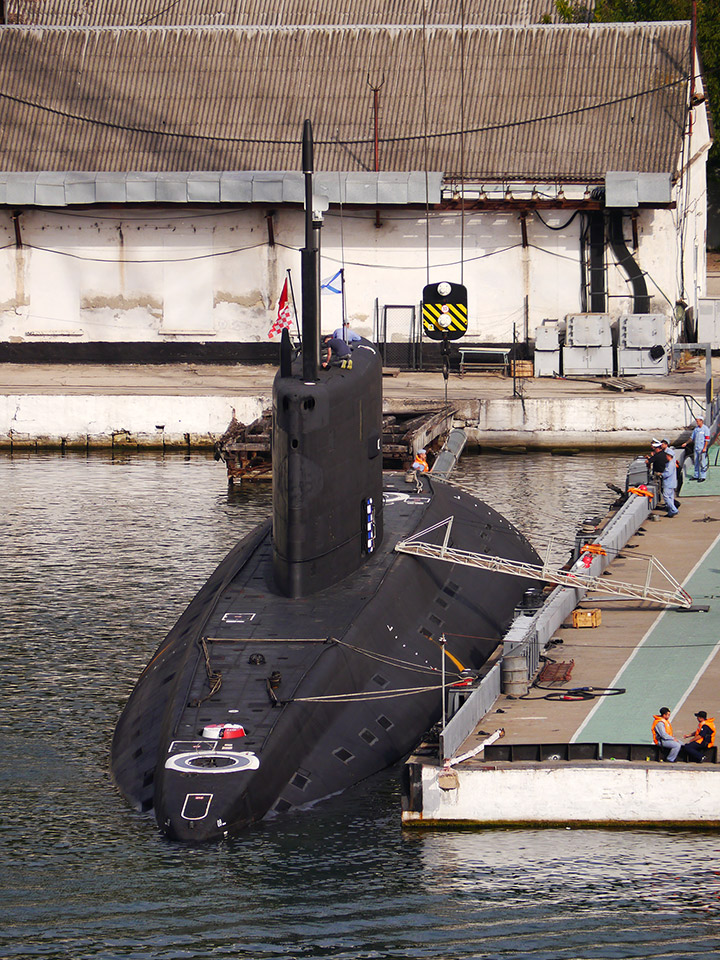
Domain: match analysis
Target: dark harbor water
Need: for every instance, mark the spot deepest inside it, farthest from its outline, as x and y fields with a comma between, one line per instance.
x=99, y=557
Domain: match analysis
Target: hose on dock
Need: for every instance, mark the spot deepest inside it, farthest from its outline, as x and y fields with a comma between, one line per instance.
x=570, y=693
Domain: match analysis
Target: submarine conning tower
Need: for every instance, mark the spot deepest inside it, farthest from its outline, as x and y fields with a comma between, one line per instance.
x=327, y=472
x=326, y=443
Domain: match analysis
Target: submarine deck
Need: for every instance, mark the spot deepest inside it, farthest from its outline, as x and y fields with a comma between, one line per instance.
x=253, y=617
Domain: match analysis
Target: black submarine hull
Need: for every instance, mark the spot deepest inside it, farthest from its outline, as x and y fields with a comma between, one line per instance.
x=356, y=670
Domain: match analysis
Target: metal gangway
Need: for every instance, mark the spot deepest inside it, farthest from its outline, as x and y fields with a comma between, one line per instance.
x=574, y=577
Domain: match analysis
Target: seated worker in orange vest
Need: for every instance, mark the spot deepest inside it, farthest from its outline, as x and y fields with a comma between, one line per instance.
x=702, y=739
x=663, y=734
x=420, y=462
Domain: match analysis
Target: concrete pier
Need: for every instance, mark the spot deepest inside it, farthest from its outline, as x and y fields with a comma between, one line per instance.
x=591, y=761
x=181, y=405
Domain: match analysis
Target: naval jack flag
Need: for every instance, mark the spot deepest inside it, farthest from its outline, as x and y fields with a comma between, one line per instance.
x=283, y=315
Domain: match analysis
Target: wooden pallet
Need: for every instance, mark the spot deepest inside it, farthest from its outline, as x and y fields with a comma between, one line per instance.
x=620, y=385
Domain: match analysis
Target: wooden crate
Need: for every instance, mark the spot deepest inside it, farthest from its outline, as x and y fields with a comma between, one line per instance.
x=521, y=368
x=586, y=618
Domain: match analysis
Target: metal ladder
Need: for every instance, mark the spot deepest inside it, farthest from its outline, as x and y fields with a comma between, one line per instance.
x=416, y=546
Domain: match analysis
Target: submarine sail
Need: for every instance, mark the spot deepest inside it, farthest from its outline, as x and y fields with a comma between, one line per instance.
x=310, y=658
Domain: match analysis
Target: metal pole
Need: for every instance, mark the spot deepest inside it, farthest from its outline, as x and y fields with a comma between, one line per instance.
x=708, y=384
x=309, y=261
x=345, y=324
x=443, y=641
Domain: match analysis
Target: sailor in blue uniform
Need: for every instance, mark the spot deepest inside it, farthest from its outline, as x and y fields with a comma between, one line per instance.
x=669, y=480
x=700, y=439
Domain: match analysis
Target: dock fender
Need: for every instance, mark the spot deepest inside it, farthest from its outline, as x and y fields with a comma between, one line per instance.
x=411, y=788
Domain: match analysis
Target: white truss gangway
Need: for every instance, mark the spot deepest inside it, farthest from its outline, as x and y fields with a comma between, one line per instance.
x=418, y=547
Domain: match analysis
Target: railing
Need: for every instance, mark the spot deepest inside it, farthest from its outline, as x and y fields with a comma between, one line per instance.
x=473, y=710
x=527, y=636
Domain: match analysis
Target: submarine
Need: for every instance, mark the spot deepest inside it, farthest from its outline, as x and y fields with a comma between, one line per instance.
x=311, y=658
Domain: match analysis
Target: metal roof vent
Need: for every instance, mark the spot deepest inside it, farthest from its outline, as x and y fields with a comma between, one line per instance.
x=631, y=189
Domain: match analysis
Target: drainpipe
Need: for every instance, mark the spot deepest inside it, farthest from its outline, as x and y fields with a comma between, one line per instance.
x=641, y=300
x=598, y=295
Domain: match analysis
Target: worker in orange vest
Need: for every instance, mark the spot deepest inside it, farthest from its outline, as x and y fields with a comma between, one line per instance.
x=702, y=739
x=663, y=734
x=420, y=462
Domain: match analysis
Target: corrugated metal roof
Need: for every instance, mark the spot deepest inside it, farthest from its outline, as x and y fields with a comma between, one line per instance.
x=562, y=102
x=133, y=13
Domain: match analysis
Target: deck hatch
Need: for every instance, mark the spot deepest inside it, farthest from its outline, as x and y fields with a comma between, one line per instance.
x=196, y=806
x=238, y=617
x=267, y=640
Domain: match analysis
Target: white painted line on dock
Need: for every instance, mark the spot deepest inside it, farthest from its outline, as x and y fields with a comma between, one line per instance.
x=602, y=705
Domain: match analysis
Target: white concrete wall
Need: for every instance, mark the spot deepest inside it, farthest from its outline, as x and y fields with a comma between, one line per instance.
x=611, y=421
x=571, y=793
x=115, y=420
x=168, y=274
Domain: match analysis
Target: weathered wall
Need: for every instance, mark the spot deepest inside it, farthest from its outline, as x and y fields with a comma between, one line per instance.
x=599, y=793
x=170, y=275
x=98, y=420
x=157, y=421
x=611, y=421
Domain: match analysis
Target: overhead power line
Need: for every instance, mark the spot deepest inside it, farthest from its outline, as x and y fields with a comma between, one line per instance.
x=265, y=141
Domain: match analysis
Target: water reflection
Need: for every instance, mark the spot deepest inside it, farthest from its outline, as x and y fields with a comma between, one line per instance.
x=100, y=557
x=545, y=496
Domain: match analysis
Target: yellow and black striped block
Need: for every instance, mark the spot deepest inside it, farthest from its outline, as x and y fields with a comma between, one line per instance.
x=444, y=311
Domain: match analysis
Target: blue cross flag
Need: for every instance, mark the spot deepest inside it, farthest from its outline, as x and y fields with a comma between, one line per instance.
x=329, y=284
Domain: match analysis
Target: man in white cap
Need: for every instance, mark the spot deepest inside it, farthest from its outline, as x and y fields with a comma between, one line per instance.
x=656, y=461
x=700, y=439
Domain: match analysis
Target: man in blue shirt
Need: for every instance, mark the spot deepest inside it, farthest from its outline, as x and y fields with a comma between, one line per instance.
x=346, y=334
x=700, y=439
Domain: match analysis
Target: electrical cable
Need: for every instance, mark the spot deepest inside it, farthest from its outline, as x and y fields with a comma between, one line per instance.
x=115, y=260
x=549, y=226
x=425, y=144
x=158, y=14
x=570, y=693
x=396, y=267
x=363, y=141
x=462, y=146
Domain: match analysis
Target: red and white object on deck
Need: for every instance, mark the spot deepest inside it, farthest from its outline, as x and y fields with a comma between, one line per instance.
x=223, y=731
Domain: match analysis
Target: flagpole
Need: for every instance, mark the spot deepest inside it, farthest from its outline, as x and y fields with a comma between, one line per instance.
x=309, y=262
x=292, y=294
x=344, y=314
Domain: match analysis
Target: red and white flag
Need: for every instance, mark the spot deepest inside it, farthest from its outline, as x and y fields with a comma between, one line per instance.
x=283, y=315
